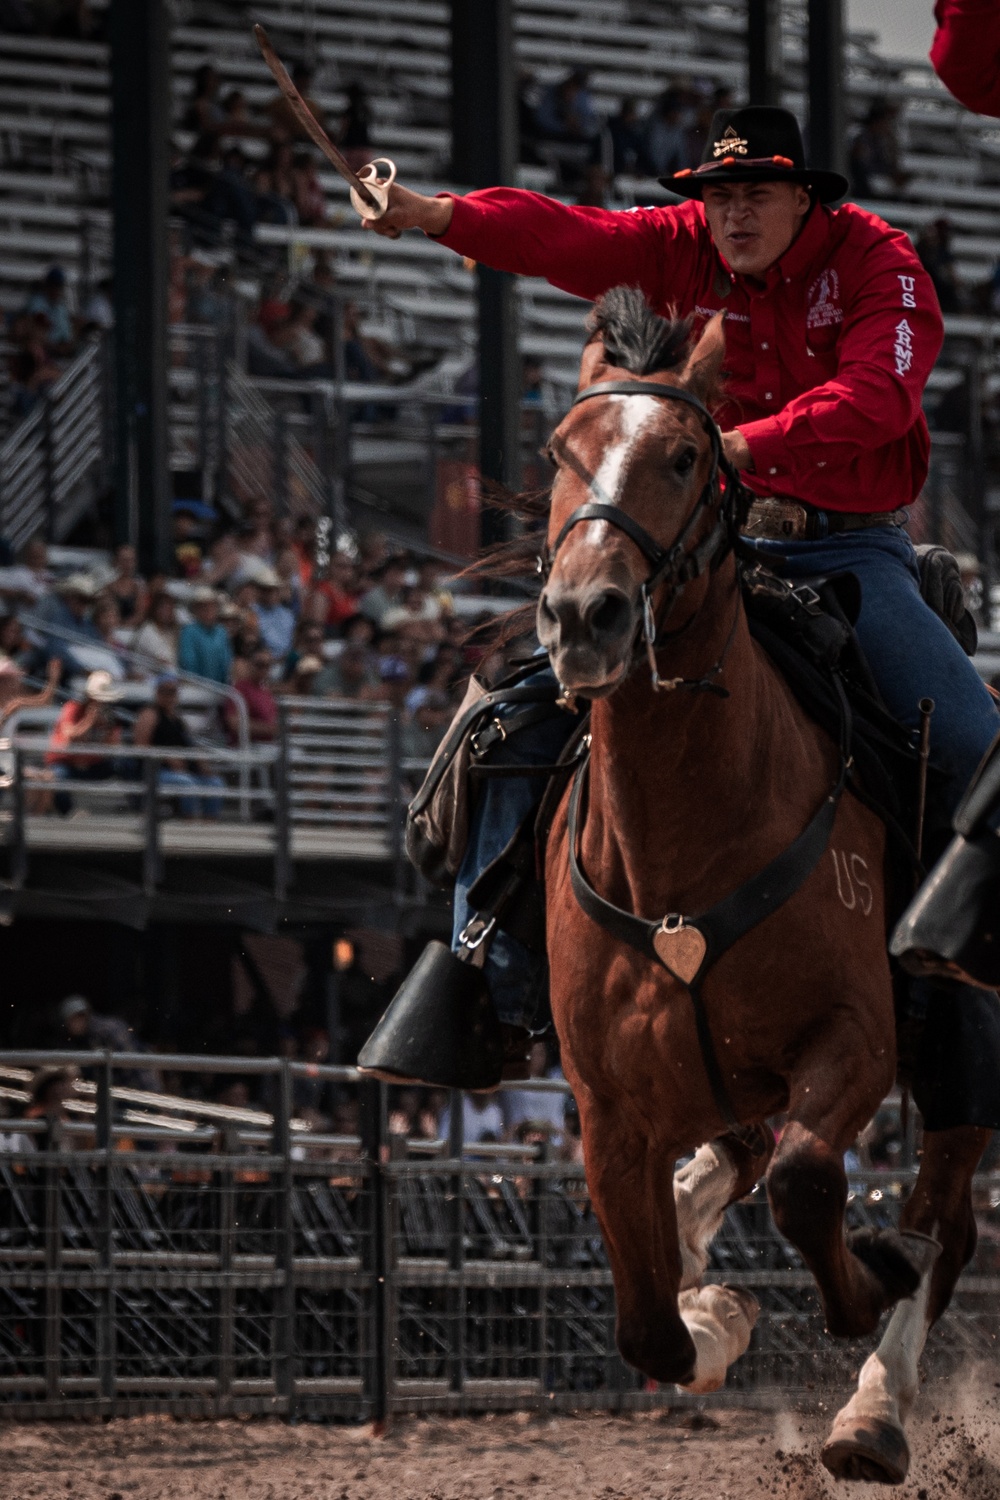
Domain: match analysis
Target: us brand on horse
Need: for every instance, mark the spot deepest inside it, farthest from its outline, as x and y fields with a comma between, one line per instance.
x=685, y=1023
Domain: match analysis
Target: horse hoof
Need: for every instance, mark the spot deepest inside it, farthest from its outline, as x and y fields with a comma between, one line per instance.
x=866, y=1449
x=888, y=1256
x=720, y=1320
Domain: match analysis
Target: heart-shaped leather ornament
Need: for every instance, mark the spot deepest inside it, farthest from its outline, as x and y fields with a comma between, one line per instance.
x=682, y=949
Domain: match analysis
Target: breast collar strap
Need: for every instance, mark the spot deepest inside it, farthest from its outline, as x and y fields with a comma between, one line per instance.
x=674, y=565
x=725, y=922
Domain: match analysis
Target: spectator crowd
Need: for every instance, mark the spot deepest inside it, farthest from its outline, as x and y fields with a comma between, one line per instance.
x=257, y=609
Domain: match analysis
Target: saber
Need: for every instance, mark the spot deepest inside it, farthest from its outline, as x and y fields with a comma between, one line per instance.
x=925, y=708
x=369, y=192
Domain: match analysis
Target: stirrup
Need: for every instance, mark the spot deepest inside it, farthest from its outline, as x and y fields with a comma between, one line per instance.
x=951, y=929
x=441, y=1028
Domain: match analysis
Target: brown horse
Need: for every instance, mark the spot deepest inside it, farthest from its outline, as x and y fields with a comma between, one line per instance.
x=691, y=793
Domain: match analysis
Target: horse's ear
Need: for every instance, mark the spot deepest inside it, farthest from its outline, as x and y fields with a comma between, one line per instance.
x=704, y=365
x=594, y=363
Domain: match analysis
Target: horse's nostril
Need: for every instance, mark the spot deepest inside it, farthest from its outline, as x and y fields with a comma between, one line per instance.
x=610, y=616
x=546, y=611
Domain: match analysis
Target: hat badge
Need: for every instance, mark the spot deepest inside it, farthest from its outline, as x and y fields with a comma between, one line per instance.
x=732, y=144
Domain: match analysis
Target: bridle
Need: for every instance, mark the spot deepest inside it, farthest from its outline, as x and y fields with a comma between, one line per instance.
x=688, y=946
x=675, y=565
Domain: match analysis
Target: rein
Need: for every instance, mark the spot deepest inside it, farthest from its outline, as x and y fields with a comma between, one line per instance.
x=673, y=565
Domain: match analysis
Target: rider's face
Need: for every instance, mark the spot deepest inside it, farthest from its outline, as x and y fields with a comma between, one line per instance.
x=753, y=223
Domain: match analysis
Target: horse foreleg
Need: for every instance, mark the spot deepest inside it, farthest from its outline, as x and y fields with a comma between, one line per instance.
x=719, y=1174
x=720, y=1319
x=857, y=1278
x=687, y=1340
x=626, y=1174
x=867, y=1440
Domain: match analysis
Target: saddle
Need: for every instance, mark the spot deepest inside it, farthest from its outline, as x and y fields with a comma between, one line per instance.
x=808, y=632
x=441, y=1026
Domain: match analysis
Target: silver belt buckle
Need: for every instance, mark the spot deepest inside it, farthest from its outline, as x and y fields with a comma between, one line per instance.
x=777, y=520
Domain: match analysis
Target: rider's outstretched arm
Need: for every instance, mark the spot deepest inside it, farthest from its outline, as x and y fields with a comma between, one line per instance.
x=966, y=52
x=582, y=250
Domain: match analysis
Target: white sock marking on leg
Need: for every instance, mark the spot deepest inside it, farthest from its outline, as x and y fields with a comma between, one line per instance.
x=702, y=1189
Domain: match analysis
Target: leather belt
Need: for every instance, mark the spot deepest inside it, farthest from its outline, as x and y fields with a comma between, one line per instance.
x=771, y=519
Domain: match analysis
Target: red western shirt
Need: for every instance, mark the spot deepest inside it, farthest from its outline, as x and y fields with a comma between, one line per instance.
x=826, y=360
x=966, y=52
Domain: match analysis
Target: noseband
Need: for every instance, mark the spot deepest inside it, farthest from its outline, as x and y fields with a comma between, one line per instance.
x=674, y=565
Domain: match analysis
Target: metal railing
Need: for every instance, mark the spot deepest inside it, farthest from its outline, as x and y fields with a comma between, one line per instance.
x=332, y=784
x=55, y=463
x=171, y=1251
x=140, y=666
x=265, y=451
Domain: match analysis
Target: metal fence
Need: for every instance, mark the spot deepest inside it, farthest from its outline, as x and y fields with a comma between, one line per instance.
x=55, y=463
x=332, y=784
x=171, y=1253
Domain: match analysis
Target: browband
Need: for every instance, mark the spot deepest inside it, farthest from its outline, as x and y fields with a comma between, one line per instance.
x=643, y=388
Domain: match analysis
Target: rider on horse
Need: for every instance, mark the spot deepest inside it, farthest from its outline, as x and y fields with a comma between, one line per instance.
x=832, y=329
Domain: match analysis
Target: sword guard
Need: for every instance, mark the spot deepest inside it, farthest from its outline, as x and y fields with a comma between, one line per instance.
x=376, y=185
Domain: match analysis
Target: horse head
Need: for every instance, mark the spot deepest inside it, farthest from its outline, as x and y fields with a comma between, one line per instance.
x=634, y=493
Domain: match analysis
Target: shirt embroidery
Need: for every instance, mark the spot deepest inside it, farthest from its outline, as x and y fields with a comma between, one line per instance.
x=823, y=300
x=710, y=312
x=903, y=349
x=908, y=284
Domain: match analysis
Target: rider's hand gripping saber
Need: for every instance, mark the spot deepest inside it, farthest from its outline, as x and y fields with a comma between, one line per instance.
x=369, y=191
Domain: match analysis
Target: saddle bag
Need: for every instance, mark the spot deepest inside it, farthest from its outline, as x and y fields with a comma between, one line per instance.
x=438, y=818
x=942, y=591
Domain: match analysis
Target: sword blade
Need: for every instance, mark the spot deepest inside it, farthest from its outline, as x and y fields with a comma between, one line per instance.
x=308, y=120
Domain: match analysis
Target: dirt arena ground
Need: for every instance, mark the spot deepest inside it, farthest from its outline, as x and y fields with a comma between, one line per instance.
x=663, y=1456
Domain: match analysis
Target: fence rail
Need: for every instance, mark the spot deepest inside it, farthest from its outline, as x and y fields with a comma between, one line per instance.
x=332, y=785
x=55, y=462
x=157, y=1250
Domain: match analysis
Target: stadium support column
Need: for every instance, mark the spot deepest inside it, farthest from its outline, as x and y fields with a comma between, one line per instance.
x=827, y=119
x=764, y=51
x=484, y=154
x=140, y=121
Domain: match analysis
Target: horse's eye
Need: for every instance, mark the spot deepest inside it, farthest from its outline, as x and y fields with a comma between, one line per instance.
x=685, y=462
x=549, y=456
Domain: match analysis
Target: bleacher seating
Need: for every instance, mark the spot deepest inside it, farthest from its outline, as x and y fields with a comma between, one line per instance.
x=54, y=141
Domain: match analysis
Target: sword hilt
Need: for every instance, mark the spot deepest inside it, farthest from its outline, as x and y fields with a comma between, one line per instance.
x=376, y=185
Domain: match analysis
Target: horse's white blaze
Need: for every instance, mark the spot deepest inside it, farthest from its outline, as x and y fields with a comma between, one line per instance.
x=636, y=413
x=703, y=1188
x=889, y=1379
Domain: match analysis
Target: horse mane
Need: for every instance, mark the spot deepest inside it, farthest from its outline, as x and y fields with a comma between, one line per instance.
x=635, y=339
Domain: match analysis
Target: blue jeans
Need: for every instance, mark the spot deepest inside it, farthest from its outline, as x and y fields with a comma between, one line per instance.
x=187, y=780
x=515, y=975
x=912, y=655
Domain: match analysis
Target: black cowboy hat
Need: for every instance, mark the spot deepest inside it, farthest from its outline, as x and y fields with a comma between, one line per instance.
x=756, y=144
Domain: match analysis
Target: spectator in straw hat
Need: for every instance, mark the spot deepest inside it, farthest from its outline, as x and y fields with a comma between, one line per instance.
x=276, y=620
x=89, y=720
x=301, y=683
x=204, y=645
x=66, y=610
